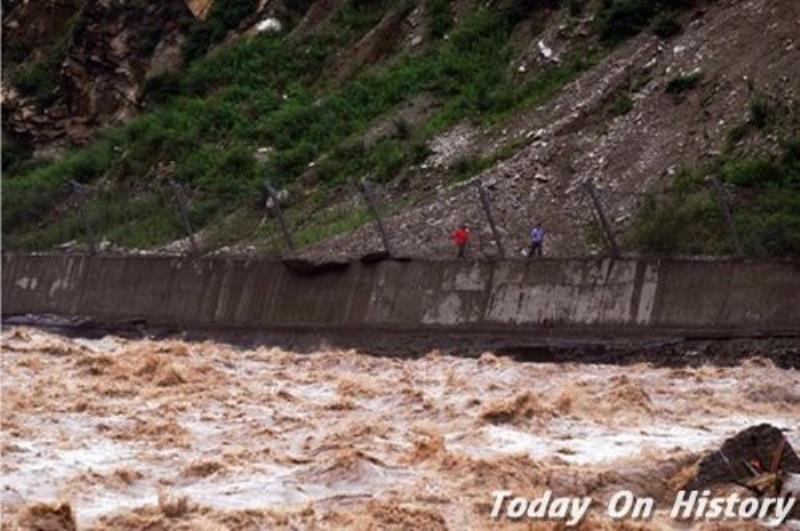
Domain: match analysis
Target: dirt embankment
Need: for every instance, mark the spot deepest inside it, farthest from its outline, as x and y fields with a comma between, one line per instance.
x=141, y=433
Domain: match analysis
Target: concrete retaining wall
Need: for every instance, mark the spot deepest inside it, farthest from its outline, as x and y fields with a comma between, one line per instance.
x=623, y=295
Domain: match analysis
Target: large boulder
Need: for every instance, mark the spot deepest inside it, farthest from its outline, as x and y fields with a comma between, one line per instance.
x=757, y=451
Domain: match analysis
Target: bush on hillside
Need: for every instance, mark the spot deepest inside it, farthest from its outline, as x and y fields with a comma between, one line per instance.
x=764, y=197
x=224, y=16
x=683, y=83
x=440, y=18
x=621, y=19
x=666, y=25
x=761, y=112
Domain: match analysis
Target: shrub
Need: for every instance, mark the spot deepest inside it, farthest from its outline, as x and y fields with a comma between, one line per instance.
x=420, y=151
x=575, y=7
x=752, y=172
x=14, y=154
x=467, y=166
x=684, y=83
x=402, y=129
x=737, y=134
x=688, y=219
x=160, y=88
x=620, y=19
x=37, y=80
x=386, y=159
x=15, y=52
x=224, y=16
x=625, y=18
x=517, y=10
x=622, y=104
x=357, y=17
x=29, y=196
x=760, y=112
x=688, y=223
x=666, y=25
x=440, y=18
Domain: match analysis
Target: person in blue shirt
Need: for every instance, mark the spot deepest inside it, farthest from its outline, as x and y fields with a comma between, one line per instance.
x=537, y=241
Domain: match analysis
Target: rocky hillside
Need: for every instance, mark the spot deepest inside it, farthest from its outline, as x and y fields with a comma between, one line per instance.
x=651, y=100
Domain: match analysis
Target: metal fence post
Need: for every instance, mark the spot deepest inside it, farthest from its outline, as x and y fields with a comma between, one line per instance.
x=487, y=208
x=187, y=225
x=87, y=226
x=364, y=187
x=726, y=211
x=270, y=192
x=612, y=241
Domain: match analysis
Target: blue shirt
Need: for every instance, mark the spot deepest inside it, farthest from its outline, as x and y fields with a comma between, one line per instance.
x=537, y=235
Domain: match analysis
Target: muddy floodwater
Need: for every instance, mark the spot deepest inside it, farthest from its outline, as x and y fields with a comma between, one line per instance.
x=171, y=434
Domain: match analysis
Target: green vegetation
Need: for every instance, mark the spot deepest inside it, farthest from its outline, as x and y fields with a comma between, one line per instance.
x=331, y=223
x=761, y=112
x=39, y=79
x=666, y=25
x=575, y=7
x=621, y=19
x=224, y=16
x=762, y=115
x=684, y=83
x=737, y=134
x=205, y=125
x=764, y=199
x=622, y=104
x=440, y=18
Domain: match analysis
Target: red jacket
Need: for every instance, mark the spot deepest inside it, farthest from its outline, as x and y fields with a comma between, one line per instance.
x=461, y=237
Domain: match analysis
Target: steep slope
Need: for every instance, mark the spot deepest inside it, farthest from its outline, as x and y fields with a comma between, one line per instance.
x=575, y=137
x=533, y=99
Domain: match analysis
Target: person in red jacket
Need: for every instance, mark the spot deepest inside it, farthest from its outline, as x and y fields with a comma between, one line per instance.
x=461, y=239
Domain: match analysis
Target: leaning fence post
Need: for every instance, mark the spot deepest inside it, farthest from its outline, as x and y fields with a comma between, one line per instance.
x=612, y=241
x=726, y=211
x=187, y=225
x=287, y=235
x=487, y=208
x=87, y=226
x=364, y=186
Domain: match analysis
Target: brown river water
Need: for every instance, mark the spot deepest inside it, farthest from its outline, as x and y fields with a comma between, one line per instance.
x=167, y=434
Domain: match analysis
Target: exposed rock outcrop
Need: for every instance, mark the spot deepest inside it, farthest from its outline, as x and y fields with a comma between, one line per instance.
x=98, y=56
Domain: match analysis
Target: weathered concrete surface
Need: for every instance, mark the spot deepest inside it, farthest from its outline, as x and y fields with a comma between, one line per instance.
x=617, y=295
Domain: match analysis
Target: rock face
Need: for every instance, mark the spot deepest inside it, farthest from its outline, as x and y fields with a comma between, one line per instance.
x=100, y=56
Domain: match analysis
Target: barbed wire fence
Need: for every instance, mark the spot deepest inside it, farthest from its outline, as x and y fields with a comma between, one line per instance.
x=371, y=205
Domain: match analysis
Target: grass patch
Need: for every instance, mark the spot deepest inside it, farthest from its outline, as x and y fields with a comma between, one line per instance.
x=139, y=222
x=764, y=199
x=337, y=221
